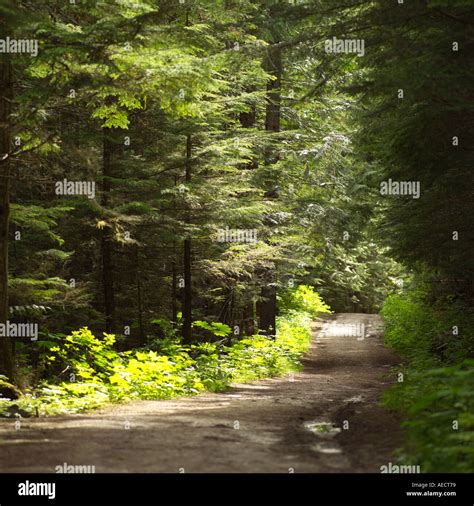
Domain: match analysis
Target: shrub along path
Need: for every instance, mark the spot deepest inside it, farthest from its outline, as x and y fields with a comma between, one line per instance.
x=326, y=418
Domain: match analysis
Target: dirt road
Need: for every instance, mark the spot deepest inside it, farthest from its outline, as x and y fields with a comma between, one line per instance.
x=326, y=418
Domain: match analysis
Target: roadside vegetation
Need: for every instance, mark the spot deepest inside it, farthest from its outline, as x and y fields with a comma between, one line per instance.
x=435, y=388
x=81, y=371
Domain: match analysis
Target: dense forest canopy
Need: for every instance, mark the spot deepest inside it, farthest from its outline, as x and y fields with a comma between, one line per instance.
x=173, y=166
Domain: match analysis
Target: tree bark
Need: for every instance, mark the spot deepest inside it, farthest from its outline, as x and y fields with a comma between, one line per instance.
x=6, y=90
x=248, y=118
x=107, y=237
x=267, y=307
x=273, y=65
x=187, y=261
x=139, y=297
x=174, y=284
x=174, y=271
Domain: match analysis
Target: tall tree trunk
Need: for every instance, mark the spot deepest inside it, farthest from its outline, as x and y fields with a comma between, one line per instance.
x=187, y=261
x=139, y=297
x=174, y=271
x=174, y=285
x=247, y=120
x=107, y=236
x=6, y=91
x=267, y=308
x=273, y=65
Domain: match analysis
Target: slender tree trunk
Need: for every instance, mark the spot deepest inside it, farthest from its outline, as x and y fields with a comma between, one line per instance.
x=139, y=296
x=107, y=237
x=174, y=273
x=247, y=120
x=273, y=65
x=6, y=94
x=187, y=248
x=267, y=308
x=187, y=261
x=174, y=284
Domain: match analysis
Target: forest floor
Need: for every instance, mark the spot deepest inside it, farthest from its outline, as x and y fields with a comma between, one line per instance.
x=277, y=425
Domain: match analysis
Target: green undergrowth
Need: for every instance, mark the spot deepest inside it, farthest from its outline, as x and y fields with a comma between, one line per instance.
x=89, y=372
x=435, y=391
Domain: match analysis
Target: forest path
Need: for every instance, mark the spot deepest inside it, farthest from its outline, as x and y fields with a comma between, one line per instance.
x=264, y=426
